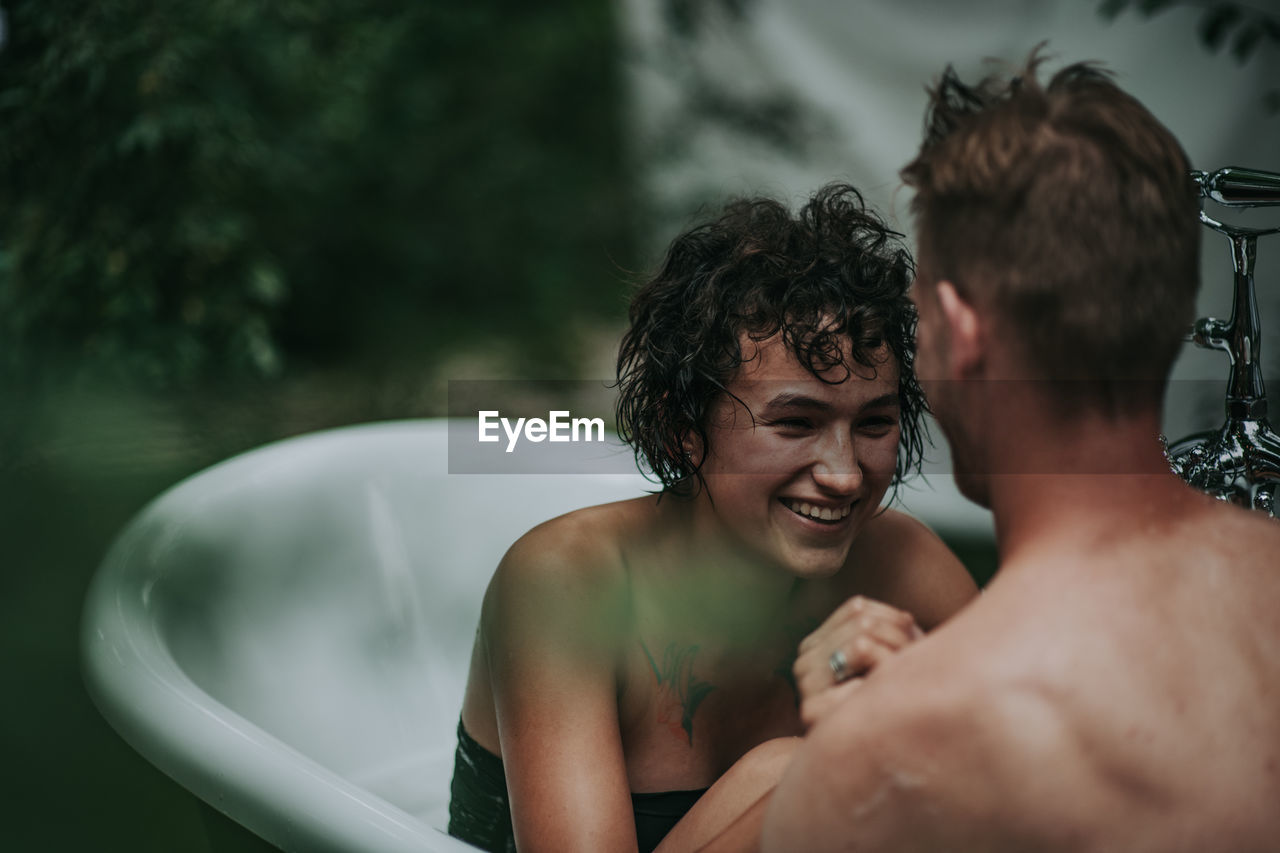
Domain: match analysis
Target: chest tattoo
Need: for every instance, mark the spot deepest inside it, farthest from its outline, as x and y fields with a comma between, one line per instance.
x=680, y=692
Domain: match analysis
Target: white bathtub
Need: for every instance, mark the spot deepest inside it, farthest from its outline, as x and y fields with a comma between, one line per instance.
x=287, y=633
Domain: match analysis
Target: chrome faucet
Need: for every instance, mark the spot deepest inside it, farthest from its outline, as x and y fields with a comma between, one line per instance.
x=1239, y=462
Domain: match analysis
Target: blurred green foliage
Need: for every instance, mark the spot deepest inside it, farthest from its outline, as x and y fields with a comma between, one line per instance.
x=1245, y=26
x=227, y=221
x=232, y=188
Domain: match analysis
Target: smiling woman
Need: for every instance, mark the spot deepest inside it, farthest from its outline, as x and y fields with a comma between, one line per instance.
x=822, y=450
x=631, y=682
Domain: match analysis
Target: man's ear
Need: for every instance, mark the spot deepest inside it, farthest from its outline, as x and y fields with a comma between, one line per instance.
x=965, y=338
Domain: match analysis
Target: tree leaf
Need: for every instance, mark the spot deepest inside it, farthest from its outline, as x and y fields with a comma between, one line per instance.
x=1215, y=22
x=1246, y=41
x=1271, y=26
x=1111, y=9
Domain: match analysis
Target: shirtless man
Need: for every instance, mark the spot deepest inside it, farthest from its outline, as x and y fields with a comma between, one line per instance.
x=1117, y=687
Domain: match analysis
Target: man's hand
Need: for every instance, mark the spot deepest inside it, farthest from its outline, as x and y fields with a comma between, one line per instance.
x=855, y=639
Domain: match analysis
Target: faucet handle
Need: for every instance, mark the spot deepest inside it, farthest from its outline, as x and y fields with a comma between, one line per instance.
x=1238, y=187
x=1265, y=499
x=1210, y=333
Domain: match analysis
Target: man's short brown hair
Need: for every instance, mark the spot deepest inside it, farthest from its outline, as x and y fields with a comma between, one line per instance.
x=1067, y=211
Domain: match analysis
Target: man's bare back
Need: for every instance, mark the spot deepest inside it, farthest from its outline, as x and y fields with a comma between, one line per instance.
x=1115, y=694
x=1117, y=687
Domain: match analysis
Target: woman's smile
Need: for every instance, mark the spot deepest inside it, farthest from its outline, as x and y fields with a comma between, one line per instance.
x=797, y=462
x=827, y=515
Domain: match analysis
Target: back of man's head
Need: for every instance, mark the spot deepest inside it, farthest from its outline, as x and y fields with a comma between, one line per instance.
x=1066, y=213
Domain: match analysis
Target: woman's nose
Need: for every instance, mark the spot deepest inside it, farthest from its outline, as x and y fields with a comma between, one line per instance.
x=836, y=469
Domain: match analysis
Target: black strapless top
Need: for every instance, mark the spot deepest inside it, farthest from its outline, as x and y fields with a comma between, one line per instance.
x=480, y=814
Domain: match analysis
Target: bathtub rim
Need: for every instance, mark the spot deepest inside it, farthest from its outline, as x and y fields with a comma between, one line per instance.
x=257, y=780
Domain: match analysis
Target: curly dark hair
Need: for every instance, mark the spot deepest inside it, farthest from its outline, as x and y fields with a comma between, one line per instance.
x=833, y=272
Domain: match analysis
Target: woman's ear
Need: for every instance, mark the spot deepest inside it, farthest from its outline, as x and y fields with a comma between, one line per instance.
x=691, y=445
x=965, y=338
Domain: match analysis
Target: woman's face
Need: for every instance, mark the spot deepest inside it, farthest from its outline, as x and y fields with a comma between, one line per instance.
x=796, y=483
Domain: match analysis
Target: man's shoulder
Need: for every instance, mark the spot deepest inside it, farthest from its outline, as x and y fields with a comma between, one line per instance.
x=985, y=689
x=946, y=687
x=905, y=763
x=947, y=747
x=1246, y=535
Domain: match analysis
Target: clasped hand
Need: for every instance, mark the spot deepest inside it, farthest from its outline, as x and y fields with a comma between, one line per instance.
x=854, y=640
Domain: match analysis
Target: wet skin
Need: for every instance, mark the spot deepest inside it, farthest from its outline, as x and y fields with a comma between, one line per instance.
x=647, y=645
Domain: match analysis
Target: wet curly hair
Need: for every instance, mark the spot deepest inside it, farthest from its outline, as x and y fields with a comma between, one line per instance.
x=834, y=271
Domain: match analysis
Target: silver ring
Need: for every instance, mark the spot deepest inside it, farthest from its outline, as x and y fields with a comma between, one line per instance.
x=839, y=666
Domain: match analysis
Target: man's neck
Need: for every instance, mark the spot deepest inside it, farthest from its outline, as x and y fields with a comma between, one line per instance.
x=1065, y=483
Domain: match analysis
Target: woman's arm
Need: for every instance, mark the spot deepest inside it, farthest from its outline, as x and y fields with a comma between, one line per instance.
x=551, y=627
x=728, y=817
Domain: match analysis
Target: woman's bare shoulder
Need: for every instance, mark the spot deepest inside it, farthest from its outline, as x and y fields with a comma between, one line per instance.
x=898, y=559
x=575, y=555
x=590, y=539
x=895, y=539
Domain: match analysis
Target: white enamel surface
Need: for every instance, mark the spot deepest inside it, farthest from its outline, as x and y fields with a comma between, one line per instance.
x=287, y=633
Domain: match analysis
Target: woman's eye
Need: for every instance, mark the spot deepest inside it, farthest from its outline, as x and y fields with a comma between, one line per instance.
x=879, y=426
